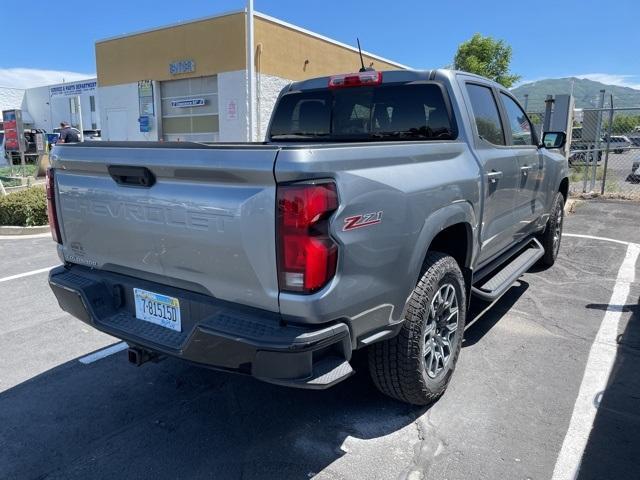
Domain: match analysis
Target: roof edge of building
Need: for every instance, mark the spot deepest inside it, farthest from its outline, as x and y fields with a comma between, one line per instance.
x=171, y=25
x=327, y=39
x=264, y=16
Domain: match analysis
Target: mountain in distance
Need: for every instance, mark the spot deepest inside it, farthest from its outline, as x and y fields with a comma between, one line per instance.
x=585, y=93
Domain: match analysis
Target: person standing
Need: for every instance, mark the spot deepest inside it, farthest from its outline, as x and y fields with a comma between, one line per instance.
x=67, y=135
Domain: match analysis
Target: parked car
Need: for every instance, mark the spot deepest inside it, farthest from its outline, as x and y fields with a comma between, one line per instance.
x=581, y=151
x=583, y=155
x=381, y=202
x=92, y=135
x=618, y=143
x=635, y=141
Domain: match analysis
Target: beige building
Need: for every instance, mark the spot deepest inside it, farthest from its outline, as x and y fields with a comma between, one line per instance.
x=191, y=81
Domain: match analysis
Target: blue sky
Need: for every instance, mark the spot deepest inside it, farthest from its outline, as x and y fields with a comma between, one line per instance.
x=557, y=38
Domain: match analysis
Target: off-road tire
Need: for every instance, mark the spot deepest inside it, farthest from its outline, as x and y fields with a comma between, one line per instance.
x=397, y=365
x=546, y=238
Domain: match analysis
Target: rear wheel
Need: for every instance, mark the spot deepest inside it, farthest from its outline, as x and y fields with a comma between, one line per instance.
x=552, y=235
x=415, y=366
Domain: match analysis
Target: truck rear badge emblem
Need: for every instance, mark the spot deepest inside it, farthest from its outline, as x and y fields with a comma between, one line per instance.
x=365, y=220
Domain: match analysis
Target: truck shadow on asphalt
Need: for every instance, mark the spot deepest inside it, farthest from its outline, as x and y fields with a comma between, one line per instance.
x=483, y=316
x=614, y=443
x=174, y=420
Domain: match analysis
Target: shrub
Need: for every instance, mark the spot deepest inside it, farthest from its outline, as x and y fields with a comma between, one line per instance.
x=26, y=208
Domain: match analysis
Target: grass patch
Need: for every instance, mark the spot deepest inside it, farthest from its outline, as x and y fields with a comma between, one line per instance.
x=577, y=173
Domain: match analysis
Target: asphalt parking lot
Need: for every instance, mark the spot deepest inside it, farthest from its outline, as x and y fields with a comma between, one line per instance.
x=520, y=405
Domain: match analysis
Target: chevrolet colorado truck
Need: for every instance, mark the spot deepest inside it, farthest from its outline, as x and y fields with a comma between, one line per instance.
x=379, y=203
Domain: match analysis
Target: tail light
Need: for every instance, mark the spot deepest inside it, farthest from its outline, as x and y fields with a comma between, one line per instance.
x=51, y=207
x=307, y=255
x=361, y=79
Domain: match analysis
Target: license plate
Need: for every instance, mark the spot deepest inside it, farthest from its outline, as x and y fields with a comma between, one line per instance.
x=159, y=309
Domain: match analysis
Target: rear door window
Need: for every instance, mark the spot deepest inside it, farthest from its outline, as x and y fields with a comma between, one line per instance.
x=518, y=121
x=485, y=114
x=386, y=112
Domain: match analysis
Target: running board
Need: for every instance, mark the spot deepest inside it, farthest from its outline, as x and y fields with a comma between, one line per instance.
x=498, y=283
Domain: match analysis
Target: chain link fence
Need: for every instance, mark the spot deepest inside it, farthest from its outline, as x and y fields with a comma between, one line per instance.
x=604, y=154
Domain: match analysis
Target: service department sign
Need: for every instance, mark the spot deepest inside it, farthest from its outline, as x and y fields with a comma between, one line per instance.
x=182, y=66
x=71, y=89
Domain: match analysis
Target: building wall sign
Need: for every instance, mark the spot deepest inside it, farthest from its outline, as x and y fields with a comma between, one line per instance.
x=72, y=89
x=145, y=98
x=145, y=124
x=188, y=102
x=182, y=66
x=232, y=110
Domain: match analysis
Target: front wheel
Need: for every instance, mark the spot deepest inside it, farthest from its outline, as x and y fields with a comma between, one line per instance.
x=552, y=235
x=416, y=365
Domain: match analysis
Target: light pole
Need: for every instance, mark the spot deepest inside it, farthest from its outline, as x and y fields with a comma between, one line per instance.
x=251, y=93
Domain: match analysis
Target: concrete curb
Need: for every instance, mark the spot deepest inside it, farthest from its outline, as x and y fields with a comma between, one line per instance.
x=18, y=231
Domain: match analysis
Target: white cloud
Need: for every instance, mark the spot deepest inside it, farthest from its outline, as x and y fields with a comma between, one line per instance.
x=33, y=77
x=612, y=79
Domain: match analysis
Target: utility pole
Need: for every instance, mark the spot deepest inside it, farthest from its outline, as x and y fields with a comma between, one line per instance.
x=251, y=92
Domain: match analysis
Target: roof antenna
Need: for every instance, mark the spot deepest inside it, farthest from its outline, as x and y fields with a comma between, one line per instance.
x=362, y=68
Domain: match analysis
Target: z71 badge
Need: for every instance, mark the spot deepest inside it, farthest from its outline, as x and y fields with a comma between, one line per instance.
x=364, y=220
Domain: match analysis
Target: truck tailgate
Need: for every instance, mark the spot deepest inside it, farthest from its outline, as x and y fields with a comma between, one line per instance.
x=206, y=225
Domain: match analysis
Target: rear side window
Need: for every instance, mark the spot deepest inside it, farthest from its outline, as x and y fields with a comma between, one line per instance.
x=386, y=112
x=485, y=114
x=520, y=126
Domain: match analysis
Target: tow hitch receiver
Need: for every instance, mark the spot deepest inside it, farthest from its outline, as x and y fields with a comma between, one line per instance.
x=137, y=356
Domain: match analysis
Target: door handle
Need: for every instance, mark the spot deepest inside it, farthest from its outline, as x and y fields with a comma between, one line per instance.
x=526, y=168
x=493, y=176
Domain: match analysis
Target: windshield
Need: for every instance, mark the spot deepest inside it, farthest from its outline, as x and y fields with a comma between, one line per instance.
x=386, y=112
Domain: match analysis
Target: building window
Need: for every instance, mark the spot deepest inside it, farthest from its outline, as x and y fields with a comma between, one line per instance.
x=92, y=103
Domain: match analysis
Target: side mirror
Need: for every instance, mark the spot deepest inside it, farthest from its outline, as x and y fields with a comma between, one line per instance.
x=554, y=139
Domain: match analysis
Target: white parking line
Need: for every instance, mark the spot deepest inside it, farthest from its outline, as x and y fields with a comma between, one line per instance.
x=94, y=357
x=604, y=239
x=26, y=274
x=596, y=374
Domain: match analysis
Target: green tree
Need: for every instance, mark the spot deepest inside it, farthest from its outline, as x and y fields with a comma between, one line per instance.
x=488, y=57
x=622, y=124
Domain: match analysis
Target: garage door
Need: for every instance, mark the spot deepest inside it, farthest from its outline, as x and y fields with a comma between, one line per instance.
x=190, y=109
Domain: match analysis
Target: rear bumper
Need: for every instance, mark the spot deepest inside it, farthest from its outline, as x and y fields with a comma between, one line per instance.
x=214, y=333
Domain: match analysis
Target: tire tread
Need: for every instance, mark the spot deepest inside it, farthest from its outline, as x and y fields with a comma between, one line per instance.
x=396, y=364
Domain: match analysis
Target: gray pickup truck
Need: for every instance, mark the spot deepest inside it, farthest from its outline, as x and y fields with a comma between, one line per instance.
x=379, y=204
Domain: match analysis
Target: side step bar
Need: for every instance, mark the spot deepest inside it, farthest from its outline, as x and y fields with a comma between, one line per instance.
x=498, y=283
